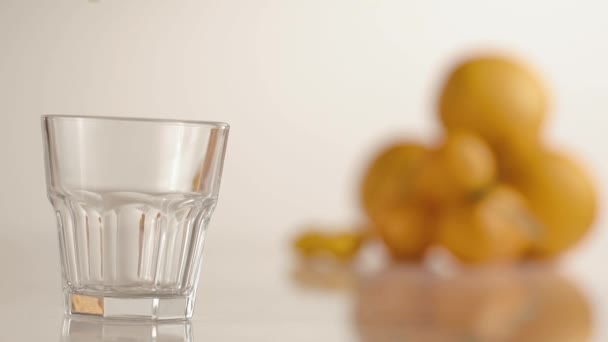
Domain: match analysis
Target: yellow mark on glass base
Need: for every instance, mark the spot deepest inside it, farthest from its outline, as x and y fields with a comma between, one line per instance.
x=86, y=305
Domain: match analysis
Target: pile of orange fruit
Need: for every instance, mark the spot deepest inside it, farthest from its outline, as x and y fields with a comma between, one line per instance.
x=490, y=190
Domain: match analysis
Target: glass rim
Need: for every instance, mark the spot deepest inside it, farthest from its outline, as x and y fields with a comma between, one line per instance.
x=216, y=124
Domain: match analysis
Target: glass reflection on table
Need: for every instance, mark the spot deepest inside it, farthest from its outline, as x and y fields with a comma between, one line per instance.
x=84, y=329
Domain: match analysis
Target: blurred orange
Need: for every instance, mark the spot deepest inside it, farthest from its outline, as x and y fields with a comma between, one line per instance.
x=406, y=231
x=496, y=97
x=391, y=177
x=498, y=228
x=561, y=194
x=389, y=198
x=460, y=170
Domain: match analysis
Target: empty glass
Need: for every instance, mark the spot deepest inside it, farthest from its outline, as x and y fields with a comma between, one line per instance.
x=132, y=198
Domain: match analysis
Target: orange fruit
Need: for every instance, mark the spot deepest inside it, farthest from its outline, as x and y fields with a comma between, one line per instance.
x=562, y=195
x=498, y=98
x=515, y=159
x=391, y=177
x=461, y=169
x=406, y=231
x=497, y=228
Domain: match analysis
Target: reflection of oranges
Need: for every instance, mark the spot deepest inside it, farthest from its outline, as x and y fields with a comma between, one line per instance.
x=496, y=229
x=561, y=194
x=557, y=311
x=485, y=305
x=395, y=305
x=324, y=276
x=494, y=96
x=461, y=169
x=391, y=177
x=507, y=305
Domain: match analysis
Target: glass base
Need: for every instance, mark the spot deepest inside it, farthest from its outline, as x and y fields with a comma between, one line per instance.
x=81, y=329
x=131, y=308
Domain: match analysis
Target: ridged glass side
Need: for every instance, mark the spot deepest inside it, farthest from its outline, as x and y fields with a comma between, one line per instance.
x=131, y=244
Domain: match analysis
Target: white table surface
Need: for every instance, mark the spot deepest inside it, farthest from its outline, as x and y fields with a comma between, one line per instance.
x=262, y=293
x=244, y=296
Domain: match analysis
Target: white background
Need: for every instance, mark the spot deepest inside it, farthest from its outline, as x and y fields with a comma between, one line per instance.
x=310, y=89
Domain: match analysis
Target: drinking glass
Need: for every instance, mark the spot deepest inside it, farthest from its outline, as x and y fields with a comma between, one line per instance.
x=132, y=198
